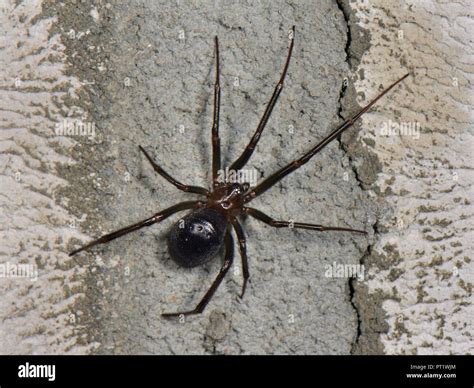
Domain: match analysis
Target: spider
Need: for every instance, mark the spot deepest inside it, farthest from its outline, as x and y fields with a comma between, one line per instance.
x=198, y=237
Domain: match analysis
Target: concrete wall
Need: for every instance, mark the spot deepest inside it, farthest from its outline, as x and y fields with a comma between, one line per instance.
x=142, y=73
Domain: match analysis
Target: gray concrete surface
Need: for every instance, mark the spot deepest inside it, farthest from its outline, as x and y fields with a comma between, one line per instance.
x=171, y=88
x=142, y=73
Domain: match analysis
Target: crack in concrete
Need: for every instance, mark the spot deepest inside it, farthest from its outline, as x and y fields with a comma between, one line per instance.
x=351, y=286
x=347, y=51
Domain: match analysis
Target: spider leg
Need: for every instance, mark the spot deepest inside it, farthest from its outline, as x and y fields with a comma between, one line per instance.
x=229, y=257
x=216, y=143
x=298, y=225
x=247, y=153
x=158, y=217
x=243, y=254
x=169, y=178
x=289, y=168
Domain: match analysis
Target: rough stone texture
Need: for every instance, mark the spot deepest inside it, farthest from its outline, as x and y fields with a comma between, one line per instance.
x=418, y=296
x=142, y=73
x=39, y=313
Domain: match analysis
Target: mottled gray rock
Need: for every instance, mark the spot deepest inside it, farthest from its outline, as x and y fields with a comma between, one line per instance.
x=142, y=73
x=165, y=54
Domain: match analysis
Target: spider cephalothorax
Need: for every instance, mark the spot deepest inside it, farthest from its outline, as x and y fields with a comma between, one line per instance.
x=198, y=237
x=228, y=198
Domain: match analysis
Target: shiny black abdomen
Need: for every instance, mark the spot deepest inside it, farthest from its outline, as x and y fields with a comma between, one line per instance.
x=197, y=237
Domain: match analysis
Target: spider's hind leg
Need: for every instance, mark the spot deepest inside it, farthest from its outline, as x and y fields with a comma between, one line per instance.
x=158, y=217
x=297, y=225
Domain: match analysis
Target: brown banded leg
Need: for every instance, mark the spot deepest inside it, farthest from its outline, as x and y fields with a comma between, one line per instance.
x=243, y=254
x=216, y=143
x=229, y=258
x=158, y=217
x=169, y=178
x=289, y=168
x=243, y=159
x=297, y=225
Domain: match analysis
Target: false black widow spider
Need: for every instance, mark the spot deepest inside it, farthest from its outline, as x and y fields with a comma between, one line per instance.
x=198, y=236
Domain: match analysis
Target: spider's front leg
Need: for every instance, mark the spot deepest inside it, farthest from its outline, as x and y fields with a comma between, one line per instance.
x=169, y=178
x=229, y=258
x=216, y=142
x=248, y=151
x=271, y=180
